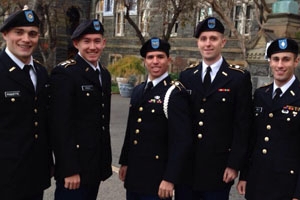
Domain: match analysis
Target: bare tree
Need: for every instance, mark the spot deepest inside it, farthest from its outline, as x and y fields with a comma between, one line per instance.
x=224, y=8
x=47, y=46
x=173, y=8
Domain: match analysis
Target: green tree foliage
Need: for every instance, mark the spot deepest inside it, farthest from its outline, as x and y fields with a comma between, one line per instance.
x=127, y=66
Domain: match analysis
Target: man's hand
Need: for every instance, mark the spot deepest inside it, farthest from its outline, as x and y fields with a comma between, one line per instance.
x=241, y=187
x=122, y=172
x=229, y=175
x=165, y=189
x=72, y=182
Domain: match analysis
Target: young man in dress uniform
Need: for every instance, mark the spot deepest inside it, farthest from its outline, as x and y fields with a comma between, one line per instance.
x=274, y=164
x=80, y=117
x=158, y=139
x=25, y=154
x=220, y=100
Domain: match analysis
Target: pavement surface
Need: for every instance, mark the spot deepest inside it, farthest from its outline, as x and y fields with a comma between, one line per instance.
x=112, y=189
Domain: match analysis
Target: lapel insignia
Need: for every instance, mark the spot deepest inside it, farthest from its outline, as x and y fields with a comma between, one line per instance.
x=12, y=69
x=292, y=92
x=165, y=83
x=224, y=73
x=87, y=69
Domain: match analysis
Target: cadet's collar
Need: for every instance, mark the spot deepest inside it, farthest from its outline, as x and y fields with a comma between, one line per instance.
x=93, y=66
x=286, y=86
x=17, y=60
x=159, y=79
x=214, y=68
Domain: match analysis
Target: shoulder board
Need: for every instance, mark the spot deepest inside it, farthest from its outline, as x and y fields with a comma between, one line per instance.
x=237, y=68
x=103, y=67
x=192, y=66
x=178, y=84
x=67, y=63
x=266, y=85
x=34, y=60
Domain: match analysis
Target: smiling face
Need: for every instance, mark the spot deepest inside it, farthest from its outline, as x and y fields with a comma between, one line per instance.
x=210, y=44
x=90, y=47
x=21, y=41
x=283, y=65
x=157, y=63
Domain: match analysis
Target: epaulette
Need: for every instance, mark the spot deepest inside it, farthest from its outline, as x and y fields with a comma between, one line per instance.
x=37, y=61
x=67, y=63
x=237, y=68
x=103, y=67
x=192, y=66
x=266, y=85
x=178, y=84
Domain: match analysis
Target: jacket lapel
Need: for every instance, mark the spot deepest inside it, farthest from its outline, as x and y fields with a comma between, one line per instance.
x=15, y=73
x=222, y=77
x=290, y=96
x=89, y=73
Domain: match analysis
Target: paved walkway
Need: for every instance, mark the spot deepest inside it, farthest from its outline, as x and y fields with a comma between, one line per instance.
x=112, y=189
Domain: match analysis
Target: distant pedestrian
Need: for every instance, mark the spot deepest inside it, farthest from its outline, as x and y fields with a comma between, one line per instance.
x=158, y=134
x=80, y=117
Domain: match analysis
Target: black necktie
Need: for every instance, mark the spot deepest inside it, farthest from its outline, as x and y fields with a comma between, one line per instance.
x=277, y=94
x=207, y=79
x=149, y=86
x=26, y=69
x=98, y=74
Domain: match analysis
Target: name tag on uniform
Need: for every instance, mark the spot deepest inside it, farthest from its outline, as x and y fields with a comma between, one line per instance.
x=87, y=87
x=258, y=109
x=9, y=94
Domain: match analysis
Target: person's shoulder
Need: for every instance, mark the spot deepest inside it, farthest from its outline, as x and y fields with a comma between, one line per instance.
x=67, y=63
x=264, y=87
x=191, y=67
x=237, y=68
x=177, y=87
x=39, y=65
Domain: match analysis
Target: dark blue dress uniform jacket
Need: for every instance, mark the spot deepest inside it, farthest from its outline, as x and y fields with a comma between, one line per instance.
x=275, y=161
x=221, y=123
x=156, y=148
x=25, y=155
x=80, y=117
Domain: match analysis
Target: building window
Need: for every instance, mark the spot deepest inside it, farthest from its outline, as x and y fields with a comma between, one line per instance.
x=144, y=17
x=242, y=15
x=108, y=7
x=99, y=10
x=132, y=7
x=120, y=21
x=203, y=13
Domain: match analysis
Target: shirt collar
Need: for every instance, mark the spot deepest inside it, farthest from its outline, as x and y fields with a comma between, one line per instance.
x=17, y=60
x=159, y=79
x=286, y=86
x=214, y=67
x=93, y=66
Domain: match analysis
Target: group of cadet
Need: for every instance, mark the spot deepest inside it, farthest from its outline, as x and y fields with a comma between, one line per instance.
x=187, y=139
